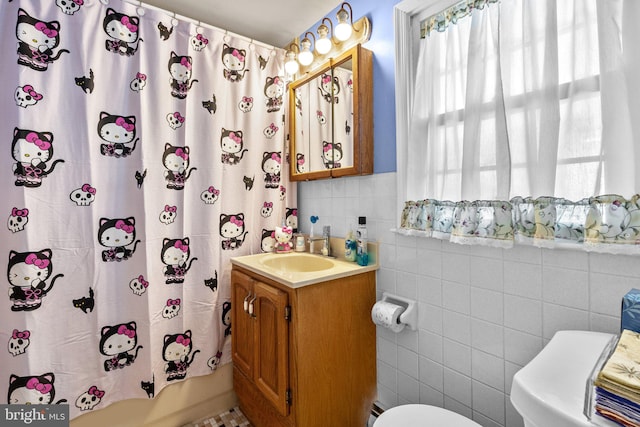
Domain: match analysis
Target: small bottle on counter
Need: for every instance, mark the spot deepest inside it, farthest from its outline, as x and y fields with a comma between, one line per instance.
x=362, y=257
x=313, y=219
x=350, y=248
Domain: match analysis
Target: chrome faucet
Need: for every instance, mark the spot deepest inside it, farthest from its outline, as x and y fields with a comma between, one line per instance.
x=326, y=239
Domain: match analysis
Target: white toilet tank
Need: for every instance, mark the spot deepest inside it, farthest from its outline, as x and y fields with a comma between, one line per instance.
x=550, y=390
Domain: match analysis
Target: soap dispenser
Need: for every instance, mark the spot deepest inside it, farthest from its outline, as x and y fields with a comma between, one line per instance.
x=361, y=238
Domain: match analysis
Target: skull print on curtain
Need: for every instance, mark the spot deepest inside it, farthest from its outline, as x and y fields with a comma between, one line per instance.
x=142, y=152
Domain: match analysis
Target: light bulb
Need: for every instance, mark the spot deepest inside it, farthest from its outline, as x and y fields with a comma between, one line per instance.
x=291, y=67
x=343, y=31
x=323, y=45
x=305, y=58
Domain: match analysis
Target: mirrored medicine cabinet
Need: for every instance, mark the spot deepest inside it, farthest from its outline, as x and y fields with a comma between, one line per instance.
x=331, y=118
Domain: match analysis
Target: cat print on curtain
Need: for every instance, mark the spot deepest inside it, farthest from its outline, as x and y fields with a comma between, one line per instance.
x=140, y=157
x=36, y=41
x=122, y=31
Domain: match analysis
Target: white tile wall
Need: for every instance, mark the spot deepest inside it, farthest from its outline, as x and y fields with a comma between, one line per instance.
x=483, y=313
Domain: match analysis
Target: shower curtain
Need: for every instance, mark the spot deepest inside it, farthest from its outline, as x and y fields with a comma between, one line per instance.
x=141, y=152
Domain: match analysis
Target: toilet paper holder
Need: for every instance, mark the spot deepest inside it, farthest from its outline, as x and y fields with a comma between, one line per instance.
x=410, y=314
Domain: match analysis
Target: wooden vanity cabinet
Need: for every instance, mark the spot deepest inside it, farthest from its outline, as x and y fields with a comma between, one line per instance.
x=260, y=350
x=304, y=356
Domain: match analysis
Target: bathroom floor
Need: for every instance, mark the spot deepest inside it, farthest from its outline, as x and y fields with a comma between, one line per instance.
x=235, y=418
x=231, y=418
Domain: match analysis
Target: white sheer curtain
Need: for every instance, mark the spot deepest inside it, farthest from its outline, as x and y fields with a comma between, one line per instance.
x=533, y=99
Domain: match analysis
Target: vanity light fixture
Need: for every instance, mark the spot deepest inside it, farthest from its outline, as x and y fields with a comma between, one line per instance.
x=323, y=44
x=330, y=41
x=291, y=64
x=344, y=29
x=305, y=57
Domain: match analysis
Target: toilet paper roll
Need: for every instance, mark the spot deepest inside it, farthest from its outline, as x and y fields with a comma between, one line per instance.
x=387, y=314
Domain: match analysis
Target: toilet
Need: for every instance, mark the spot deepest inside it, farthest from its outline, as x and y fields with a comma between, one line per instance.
x=415, y=415
x=550, y=390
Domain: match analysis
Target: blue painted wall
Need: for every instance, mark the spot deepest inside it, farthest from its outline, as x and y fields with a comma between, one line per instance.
x=380, y=13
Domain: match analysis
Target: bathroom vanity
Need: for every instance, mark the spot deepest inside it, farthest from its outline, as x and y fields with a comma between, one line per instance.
x=303, y=343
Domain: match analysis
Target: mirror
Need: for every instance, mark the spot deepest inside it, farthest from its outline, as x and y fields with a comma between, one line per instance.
x=331, y=127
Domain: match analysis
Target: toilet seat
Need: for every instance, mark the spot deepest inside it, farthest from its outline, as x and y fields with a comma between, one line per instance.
x=415, y=415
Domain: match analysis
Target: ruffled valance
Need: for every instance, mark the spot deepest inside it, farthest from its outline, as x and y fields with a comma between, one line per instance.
x=608, y=223
x=451, y=15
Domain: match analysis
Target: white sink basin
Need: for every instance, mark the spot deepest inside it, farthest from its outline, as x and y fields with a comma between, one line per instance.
x=298, y=263
x=298, y=269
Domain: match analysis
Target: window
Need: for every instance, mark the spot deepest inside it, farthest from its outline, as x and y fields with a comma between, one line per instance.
x=520, y=104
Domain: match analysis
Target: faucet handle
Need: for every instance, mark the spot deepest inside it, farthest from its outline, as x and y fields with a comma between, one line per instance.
x=326, y=248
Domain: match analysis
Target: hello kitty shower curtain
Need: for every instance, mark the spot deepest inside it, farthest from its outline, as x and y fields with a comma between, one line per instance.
x=141, y=152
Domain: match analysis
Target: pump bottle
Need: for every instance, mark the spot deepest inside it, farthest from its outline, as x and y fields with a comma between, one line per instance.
x=362, y=257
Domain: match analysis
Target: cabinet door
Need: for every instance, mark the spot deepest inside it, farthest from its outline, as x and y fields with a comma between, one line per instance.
x=242, y=348
x=271, y=332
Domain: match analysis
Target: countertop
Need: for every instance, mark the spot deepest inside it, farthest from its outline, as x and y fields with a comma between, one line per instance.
x=297, y=279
